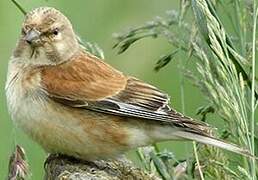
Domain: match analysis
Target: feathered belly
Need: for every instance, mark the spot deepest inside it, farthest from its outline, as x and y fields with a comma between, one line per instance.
x=76, y=132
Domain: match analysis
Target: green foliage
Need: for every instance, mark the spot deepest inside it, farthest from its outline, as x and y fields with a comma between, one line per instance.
x=223, y=76
x=164, y=60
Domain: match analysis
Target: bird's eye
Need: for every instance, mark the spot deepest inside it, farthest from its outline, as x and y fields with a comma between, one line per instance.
x=55, y=31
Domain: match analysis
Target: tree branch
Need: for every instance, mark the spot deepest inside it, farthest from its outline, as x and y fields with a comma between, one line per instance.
x=63, y=167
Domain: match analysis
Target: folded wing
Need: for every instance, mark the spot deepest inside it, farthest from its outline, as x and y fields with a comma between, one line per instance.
x=86, y=82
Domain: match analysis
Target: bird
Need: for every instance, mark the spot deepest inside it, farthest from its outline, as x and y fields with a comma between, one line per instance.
x=73, y=103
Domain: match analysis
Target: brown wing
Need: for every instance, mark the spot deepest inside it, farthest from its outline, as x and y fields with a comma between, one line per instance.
x=86, y=82
x=83, y=78
x=142, y=95
x=87, y=79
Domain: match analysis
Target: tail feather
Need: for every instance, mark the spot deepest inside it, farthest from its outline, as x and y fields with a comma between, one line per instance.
x=214, y=142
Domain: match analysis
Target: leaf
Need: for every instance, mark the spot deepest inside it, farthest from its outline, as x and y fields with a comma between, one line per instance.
x=124, y=42
x=204, y=110
x=160, y=166
x=164, y=60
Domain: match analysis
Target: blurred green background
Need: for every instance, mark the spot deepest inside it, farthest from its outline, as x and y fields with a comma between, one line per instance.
x=96, y=21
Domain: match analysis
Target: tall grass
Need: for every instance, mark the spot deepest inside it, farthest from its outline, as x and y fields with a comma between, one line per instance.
x=225, y=63
x=255, y=14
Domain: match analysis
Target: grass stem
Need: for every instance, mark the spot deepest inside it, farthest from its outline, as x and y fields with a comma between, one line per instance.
x=19, y=7
x=197, y=161
x=253, y=89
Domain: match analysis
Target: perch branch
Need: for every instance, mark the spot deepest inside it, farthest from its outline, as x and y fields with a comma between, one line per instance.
x=63, y=167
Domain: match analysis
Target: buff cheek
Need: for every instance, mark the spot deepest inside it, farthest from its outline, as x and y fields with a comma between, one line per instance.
x=60, y=47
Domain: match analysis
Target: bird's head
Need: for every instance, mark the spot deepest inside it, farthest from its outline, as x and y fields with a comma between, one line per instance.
x=47, y=37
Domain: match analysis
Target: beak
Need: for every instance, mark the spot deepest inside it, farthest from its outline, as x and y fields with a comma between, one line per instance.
x=32, y=36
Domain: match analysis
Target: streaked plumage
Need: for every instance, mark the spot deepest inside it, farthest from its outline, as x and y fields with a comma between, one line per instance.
x=71, y=102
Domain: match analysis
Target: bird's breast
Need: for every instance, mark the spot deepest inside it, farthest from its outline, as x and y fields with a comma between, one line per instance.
x=21, y=89
x=54, y=128
x=60, y=129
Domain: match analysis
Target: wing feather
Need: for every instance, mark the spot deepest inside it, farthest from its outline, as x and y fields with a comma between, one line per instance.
x=88, y=83
x=82, y=78
x=143, y=95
